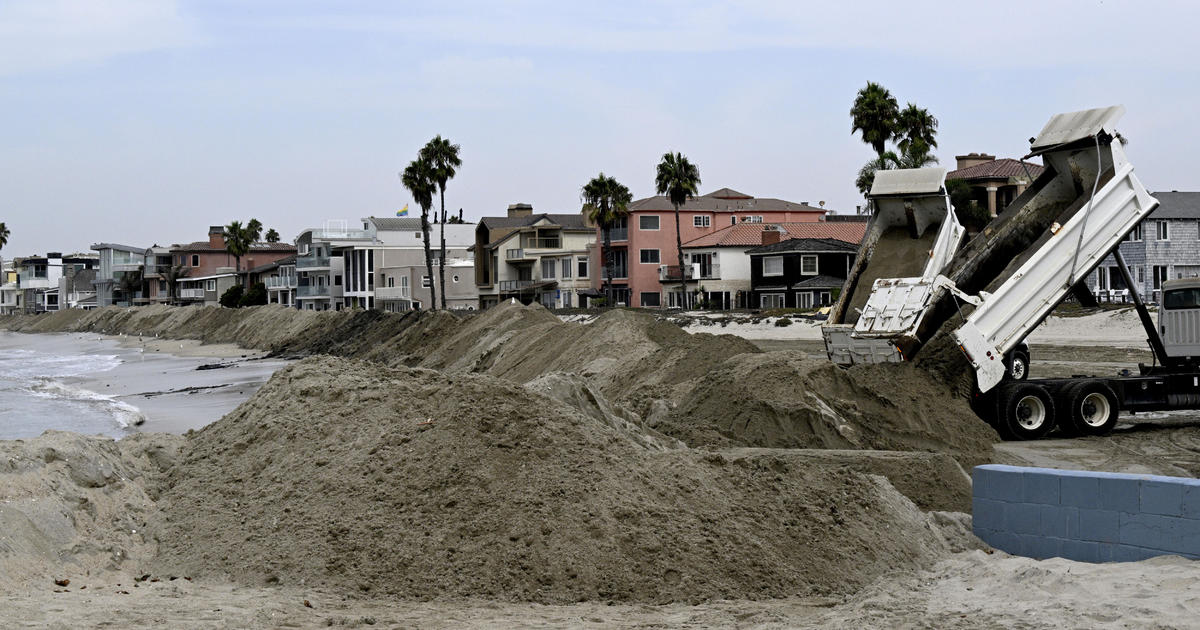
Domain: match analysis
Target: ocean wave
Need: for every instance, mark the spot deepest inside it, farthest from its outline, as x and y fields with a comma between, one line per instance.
x=125, y=414
x=20, y=364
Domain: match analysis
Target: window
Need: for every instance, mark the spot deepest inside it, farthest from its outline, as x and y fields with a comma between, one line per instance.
x=701, y=220
x=1181, y=298
x=808, y=265
x=210, y=285
x=649, y=256
x=416, y=235
x=771, y=300
x=1135, y=234
x=162, y=286
x=1164, y=233
x=581, y=267
x=337, y=280
x=772, y=266
x=391, y=281
x=566, y=267
x=1141, y=275
x=649, y=222
x=403, y=286
x=620, y=260
x=651, y=299
x=733, y=220
x=195, y=260
x=548, y=267
x=752, y=219
x=425, y=283
x=1160, y=275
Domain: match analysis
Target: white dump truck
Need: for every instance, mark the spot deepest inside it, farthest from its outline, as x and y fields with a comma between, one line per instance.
x=989, y=293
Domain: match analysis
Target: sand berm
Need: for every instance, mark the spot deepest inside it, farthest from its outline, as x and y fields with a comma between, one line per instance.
x=510, y=455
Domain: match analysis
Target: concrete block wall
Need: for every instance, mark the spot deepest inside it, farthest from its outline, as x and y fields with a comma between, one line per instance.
x=1086, y=516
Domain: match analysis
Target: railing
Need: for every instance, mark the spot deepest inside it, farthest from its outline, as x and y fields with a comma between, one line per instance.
x=544, y=243
x=510, y=254
x=391, y=293
x=156, y=270
x=694, y=271
x=191, y=294
x=127, y=266
x=616, y=234
x=281, y=282
x=312, y=262
x=333, y=235
x=34, y=283
x=312, y=291
x=514, y=285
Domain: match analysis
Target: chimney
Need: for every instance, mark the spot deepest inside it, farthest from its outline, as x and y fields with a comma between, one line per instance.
x=216, y=236
x=770, y=235
x=972, y=159
x=519, y=210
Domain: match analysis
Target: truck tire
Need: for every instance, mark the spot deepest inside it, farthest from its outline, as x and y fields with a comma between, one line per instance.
x=1026, y=411
x=1018, y=365
x=1093, y=408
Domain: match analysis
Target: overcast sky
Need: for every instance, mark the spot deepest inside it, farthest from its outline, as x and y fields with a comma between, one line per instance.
x=145, y=122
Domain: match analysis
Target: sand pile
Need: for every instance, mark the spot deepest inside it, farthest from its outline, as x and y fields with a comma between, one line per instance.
x=420, y=484
x=72, y=505
x=784, y=400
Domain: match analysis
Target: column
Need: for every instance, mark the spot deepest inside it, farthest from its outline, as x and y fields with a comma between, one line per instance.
x=991, y=191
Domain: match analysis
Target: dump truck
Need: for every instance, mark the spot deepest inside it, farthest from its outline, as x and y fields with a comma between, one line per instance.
x=979, y=299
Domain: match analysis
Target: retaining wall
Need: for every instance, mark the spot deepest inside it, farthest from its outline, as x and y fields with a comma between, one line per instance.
x=1086, y=516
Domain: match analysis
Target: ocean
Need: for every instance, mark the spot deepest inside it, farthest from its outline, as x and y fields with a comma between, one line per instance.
x=96, y=385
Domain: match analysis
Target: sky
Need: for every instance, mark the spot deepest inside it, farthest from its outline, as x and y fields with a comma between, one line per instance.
x=144, y=122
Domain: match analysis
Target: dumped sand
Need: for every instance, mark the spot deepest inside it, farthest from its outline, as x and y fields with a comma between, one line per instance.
x=784, y=400
x=425, y=485
x=74, y=505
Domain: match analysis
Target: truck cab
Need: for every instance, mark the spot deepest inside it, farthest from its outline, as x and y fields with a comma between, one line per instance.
x=1179, y=319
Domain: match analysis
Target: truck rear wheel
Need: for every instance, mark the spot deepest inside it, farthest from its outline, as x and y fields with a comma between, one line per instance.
x=1026, y=411
x=1018, y=365
x=1093, y=408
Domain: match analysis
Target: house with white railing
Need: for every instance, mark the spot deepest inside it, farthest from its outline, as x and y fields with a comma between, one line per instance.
x=119, y=278
x=544, y=258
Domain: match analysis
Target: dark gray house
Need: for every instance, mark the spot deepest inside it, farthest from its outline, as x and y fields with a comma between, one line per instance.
x=1164, y=246
x=799, y=272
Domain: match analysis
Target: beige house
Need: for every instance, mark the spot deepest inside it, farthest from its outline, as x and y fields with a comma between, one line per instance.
x=994, y=182
x=544, y=258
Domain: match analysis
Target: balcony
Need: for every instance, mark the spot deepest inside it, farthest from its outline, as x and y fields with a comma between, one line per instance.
x=310, y=291
x=118, y=267
x=510, y=286
x=392, y=293
x=514, y=254
x=35, y=283
x=340, y=235
x=191, y=294
x=615, y=234
x=694, y=271
x=281, y=282
x=312, y=262
x=552, y=242
x=151, y=271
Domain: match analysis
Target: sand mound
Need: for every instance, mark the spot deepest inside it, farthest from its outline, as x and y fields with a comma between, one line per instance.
x=421, y=484
x=783, y=400
x=72, y=504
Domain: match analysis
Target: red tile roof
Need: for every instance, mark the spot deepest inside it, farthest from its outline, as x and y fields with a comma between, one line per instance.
x=1002, y=168
x=724, y=200
x=750, y=234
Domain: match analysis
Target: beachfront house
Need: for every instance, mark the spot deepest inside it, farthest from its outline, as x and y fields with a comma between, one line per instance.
x=799, y=272
x=52, y=282
x=994, y=183
x=10, y=294
x=279, y=278
x=644, y=241
x=209, y=260
x=544, y=258
x=1165, y=245
x=119, y=279
x=717, y=265
x=156, y=275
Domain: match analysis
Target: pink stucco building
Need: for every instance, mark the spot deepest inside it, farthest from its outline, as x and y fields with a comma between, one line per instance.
x=645, y=258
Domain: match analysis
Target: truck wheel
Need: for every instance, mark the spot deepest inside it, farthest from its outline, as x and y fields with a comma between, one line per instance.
x=1093, y=408
x=1026, y=412
x=1018, y=365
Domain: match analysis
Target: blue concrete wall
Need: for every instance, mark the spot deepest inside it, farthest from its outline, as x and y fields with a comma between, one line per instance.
x=1086, y=516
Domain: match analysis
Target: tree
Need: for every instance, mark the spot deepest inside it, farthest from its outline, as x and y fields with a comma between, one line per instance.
x=232, y=296
x=4, y=234
x=417, y=177
x=874, y=114
x=916, y=131
x=679, y=180
x=237, y=242
x=130, y=283
x=888, y=161
x=443, y=159
x=173, y=275
x=606, y=200
x=256, y=295
x=272, y=236
x=253, y=230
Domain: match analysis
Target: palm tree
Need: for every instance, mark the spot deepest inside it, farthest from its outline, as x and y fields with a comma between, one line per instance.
x=916, y=130
x=4, y=234
x=888, y=161
x=418, y=179
x=874, y=114
x=131, y=282
x=173, y=275
x=272, y=236
x=253, y=230
x=443, y=159
x=606, y=200
x=237, y=242
x=678, y=179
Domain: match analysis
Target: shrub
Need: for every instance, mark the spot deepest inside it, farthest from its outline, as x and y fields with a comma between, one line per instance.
x=256, y=295
x=783, y=321
x=232, y=296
